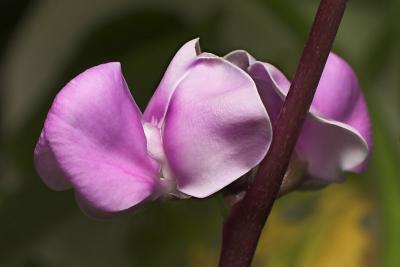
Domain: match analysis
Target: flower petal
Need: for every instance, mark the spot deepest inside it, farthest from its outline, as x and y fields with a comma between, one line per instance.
x=216, y=127
x=157, y=107
x=240, y=58
x=339, y=97
x=329, y=146
x=95, y=132
x=47, y=166
x=272, y=85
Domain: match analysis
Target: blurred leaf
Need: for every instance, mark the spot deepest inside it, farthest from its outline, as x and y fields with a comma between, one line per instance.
x=383, y=46
x=386, y=172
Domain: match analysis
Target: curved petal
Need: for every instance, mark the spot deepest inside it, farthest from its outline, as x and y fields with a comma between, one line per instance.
x=95, y=133
x=329, y=146
x=339, y=97
x=272, y=86
x=216, y=127
x=157, y=107
x=240, y=58
x=47, y=166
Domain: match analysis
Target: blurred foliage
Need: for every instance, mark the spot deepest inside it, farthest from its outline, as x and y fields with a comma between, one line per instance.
x=45, y=43
x=336, y=229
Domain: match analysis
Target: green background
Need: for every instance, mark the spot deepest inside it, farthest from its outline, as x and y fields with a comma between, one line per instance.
x=46, y=43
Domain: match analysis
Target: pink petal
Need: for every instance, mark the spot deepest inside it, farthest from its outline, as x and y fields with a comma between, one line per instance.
x=272, y=85
x=240, y=58
x=329, y=146
x=339, y=97
x=216, y=127
x=157, y=107
x=47, y=166
x=96, y=137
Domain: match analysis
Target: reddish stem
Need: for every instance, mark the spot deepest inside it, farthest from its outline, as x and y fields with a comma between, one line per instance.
x=246, y=220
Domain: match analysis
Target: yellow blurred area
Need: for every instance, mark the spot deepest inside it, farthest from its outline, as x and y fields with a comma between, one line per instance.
x=337, y=230
x=332, y=228
x=201, y=255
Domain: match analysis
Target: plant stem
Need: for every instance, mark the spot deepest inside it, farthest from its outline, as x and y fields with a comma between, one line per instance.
x=246, y=220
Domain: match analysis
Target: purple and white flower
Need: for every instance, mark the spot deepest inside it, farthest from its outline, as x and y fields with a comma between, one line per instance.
x=336, y=136
x=204, y=127
x=207, y=124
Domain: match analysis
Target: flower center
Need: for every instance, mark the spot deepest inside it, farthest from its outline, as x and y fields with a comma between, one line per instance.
x=154, y=142
x=156, y=151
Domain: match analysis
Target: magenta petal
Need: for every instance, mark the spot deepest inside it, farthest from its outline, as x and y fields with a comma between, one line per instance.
x=216, y=127
x=47, y=166
x=179, y=65
x=329, y=146
x=339, y=97
x=95, y=132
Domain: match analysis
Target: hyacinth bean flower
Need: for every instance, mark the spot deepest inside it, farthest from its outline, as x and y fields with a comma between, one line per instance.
x=204, y=127
x=336, y=135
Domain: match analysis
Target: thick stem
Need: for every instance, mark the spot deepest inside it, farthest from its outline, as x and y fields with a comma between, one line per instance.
x=246, y=220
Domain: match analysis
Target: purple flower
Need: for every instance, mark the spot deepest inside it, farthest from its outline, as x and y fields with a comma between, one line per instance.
x=204, y=127
x=208, y=123
x=336, y=135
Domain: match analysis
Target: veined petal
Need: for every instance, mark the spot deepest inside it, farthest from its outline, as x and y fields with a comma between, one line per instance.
x=96, y=137
x=329, y=146
x=216, y=127
x=157, y=107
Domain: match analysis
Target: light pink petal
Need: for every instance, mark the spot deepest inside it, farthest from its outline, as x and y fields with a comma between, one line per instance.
x=96, y=137
x=329, y=146
x=179, y=65
x=216, y=127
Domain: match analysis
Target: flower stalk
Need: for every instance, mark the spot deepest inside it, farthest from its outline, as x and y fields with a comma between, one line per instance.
x=243, y=226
